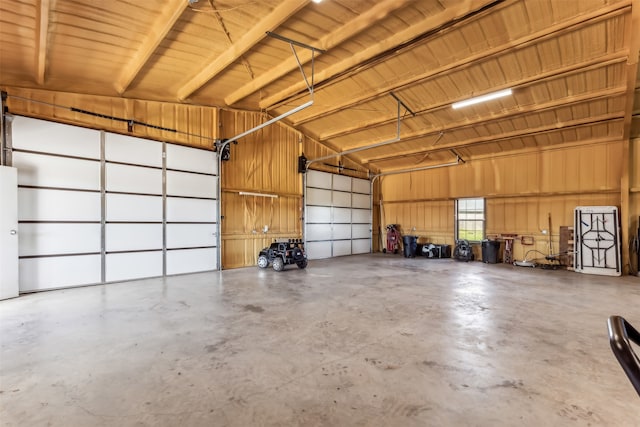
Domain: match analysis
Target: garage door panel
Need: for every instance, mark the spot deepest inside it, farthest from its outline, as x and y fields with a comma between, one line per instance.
x=191, y=185
x=57, y=239
x=360, y=231
x=341, y=215
x=318, y=250
x=318, y=232
x=318, y=197
x=318, y=214
x=360, y=246
x=39, y=274
x=130, y=266
x=344, y=222
x=318, y=179
x=341, y=182
x=341, y=231
x=191, y=260
x=360, y=216
x=191, y=235
x=191, y=210
x=49, y=137
x=41, y=170
x=191, y=159
x=341, y=199
x=133, y=207
x=132, y=237
x=341, y=247
x=362, y=201
x=129, y=149
x=361, y=186
x=68, y=216
x=133, y=179
x=38, y=204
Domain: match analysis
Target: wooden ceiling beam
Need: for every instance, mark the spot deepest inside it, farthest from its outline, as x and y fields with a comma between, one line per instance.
x=168, y=17
x=429, y=24
x=549, y=76
x=609, y=117
x=538, y=108
x=217, y=63
x=554, y=31
x=368, y=19
x=535, y=150
x=42, y=32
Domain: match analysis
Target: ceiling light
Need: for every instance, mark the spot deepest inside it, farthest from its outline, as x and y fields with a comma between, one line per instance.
x=317, y=1
x=483, y=98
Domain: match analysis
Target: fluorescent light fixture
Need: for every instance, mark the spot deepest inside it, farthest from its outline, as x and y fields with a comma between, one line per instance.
x=248, y=193
x=483, y=98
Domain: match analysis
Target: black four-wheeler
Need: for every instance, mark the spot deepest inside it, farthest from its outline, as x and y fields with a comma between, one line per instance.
x=281, y=253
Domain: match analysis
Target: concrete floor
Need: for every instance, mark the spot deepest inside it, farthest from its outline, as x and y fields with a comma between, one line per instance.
x=373, y=340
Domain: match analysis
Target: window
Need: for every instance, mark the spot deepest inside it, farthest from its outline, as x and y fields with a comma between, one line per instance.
x=470, y=219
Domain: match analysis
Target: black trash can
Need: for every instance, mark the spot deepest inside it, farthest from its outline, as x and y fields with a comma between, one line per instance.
x=490, y=249
x=410, y=246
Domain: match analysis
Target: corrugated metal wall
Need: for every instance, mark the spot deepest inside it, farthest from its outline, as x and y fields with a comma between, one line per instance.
x=521, y=191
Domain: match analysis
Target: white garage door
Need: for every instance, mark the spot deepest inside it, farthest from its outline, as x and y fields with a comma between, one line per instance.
x=98, y=207
x=338, y=215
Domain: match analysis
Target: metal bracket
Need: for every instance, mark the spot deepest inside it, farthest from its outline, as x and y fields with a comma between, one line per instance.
x=377, y=144
x=292, y=43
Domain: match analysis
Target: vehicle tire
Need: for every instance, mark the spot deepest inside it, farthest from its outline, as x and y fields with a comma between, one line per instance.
x=297, y=254
x=278, y=264
x=263, y=261
x=302, y=264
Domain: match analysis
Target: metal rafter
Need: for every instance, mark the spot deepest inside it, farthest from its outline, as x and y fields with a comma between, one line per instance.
x=377, y=144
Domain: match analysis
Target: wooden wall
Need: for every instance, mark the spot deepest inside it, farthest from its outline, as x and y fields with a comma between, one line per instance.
x=522, y=191
x=634, y=198
x=264, y=162
x=194, y=126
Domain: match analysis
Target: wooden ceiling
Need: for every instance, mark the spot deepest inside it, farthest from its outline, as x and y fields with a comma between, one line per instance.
x=572, y=66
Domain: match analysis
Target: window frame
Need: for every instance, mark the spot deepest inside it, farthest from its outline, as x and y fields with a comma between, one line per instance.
x=457, y=220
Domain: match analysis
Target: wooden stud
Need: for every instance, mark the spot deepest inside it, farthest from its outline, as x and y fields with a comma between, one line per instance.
x=42, y=32
x=165, y=22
